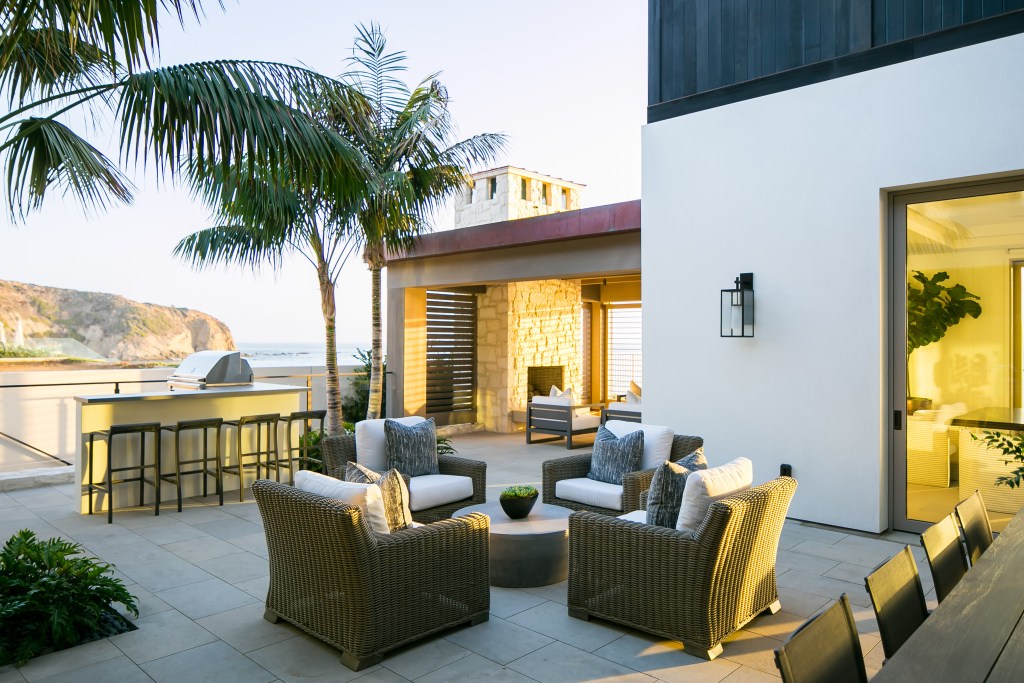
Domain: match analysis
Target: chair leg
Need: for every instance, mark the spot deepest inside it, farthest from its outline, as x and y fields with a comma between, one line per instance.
x=272, y=616
x=479, y=619
x=579, y=614
x=358, y=663
x=772, y=608
x=703, y=653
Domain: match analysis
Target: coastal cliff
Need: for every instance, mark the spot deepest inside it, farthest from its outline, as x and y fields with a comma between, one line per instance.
x=111, y=325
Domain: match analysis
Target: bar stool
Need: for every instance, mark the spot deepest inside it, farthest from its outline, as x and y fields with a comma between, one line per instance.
x=108, y=435
x=204, y=462
x=265, y=427
x=301, y=451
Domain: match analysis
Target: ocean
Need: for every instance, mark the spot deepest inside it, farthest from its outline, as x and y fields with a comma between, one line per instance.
x=263, y=354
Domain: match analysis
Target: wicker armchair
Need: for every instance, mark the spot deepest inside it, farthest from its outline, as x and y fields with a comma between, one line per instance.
x=336, y=451
x=367, y=593
x=633, y=484
x=696, y=590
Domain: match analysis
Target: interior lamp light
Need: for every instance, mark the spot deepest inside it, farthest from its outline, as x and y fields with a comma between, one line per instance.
x=738, y=308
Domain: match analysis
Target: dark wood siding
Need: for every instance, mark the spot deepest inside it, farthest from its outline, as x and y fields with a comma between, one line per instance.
x=451, y=357
x=700, y=46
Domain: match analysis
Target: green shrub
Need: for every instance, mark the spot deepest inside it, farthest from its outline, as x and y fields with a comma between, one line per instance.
x=52, y=598
x=22, y=352
x=353, y=406
x=312, y=440
x=522, y=491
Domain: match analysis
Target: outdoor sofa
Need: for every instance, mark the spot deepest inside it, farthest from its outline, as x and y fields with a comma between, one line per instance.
x=626, y=412
x=559, y=420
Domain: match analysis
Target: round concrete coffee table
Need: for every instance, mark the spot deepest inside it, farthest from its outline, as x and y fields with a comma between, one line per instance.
x=527, y=552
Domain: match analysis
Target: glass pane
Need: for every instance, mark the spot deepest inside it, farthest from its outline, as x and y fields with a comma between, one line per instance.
x=963, y=350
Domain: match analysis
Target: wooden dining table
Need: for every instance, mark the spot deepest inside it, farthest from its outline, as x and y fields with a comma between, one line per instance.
x=977, y=632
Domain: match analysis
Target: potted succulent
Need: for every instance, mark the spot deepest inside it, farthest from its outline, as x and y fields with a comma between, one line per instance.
x=517, y=501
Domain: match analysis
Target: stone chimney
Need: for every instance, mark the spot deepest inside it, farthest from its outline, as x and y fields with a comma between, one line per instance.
x=508, y=193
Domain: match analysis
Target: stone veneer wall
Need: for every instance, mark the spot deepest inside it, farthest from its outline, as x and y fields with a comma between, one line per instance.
x=473, y=207
x=520, y=324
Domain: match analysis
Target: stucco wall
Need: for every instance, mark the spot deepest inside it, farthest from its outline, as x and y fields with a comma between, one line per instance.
x=793, y=187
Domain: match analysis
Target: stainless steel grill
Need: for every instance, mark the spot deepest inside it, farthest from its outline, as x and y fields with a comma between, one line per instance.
x=206, y=369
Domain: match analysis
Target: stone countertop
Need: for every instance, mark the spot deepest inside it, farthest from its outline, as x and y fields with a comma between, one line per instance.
x=257, y=389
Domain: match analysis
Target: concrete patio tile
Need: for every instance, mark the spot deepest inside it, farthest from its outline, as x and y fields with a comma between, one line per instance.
x=561, y=663
x=556, y=592
x=779, y=625
x=162, y=534
x=204, y=514
x=257, y=587
x=98, y=538
x=146, y=602
x=303, y=659
x=473, y=669
x=7, y=502
x=203, y=548
x=253, y=543
x=553, y=620
x=806, y=563
x=824, y=586
x=874, y=657
x=868, y=557
x=240, y=566
x=745, y=674
x=382, y=675
x=212, y=663
x=120, y=669
x=665, y=660
x=499, y=640
x=141, y=550
x=423, y=657
x=203, y=598
x=138, y=518
x=752, y=650
x=162, y=634
x=11, y=676
x=42, y=529
x=69, y=660
x=508, y=601
x=162, y=574
x=40, y=497
x=230, y=528
x=853, y=573
x=245, y=629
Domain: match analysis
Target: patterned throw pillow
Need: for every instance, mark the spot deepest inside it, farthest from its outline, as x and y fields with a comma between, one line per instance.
x=666, y=493
x=359, y=474
x=613, y=457
x=411, y=449
x=396, y=500
x=695, y=460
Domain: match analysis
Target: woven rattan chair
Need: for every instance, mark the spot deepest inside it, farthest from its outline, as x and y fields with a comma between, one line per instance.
x=367, y=593
x=633, y=484
x=946, y=555
x=826, y=649
x=337, y=451
x=695, y=589
x=975, y=524
x=898, y=599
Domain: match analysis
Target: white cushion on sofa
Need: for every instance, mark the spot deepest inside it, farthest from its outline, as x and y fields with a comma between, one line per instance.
x=638, y=516
x=704, y=487
x=553, y=400
x=366, y=497
x=586, y=422
x=431, y=490
x=590, y=492
x=621, y=407
x=657, y=440
x=371, y=447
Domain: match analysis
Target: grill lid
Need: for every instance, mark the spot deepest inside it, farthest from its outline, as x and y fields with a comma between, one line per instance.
x=211, y=368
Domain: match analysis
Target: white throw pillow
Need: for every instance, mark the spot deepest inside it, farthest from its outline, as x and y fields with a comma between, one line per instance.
x=366, y=497
x=657, y=440
x=632, y=398
x=704, y=487
x=371, y=447
x=553, y=400
x=555, y=391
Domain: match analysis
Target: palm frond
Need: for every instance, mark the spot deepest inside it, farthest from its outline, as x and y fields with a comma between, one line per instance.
x=43, y=61
x=42, y=152
x=372, y=69
x=233, y=244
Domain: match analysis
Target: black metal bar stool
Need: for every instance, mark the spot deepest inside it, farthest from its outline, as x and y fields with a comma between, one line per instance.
x=298, y=452
x=109, y=435
x=265, y=427
x=204, y=461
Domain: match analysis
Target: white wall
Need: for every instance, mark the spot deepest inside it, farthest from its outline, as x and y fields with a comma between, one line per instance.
x=792, y=187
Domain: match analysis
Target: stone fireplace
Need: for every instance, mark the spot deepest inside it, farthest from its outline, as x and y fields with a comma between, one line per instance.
x=540, y=379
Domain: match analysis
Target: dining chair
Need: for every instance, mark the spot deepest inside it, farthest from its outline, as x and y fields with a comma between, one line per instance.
x=898, y=599
x=974, y=522
x=946, y=555
x=825, y=649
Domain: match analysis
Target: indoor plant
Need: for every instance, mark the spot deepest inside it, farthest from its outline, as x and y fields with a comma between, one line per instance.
x=517, y=501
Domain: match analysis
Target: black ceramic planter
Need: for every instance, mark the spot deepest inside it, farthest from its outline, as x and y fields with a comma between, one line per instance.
x=518, y=508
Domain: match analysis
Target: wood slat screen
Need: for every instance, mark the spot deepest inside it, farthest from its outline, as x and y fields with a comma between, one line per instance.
x=585, y=327
x=451, y=357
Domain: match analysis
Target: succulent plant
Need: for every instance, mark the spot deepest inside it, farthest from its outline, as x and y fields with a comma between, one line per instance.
x=522, y=491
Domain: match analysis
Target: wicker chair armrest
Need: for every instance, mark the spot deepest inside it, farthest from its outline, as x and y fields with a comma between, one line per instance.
x=683, y=445
x=464, y=467
x=643, y=499
x=594, y=539
x=569, y=467
x=633, y=484
x=337, y=451
x=424, y=556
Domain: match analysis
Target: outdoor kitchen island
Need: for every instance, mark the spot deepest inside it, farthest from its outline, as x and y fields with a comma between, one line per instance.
x=167, y=407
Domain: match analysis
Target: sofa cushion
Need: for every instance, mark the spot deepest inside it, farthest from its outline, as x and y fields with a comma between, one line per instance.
x=367, y=497
x=666, y=494
x=396, y=500
x=370, y=445
x=552, y=400
x=613, y=457
x=638, y=516
x=564, y=393
x=632, y=399
x=657, y=440
x=411, y=449
x=704, y=487
x=695, y=460
x=431, y=490
x=589, y=492
x=360, y=474
x=626, y=407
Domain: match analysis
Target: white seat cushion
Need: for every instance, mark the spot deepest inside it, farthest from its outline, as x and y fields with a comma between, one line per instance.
x=638, y=516
x=552, y=400
x=704, y=487
x=431, y=490
x=621, y=407
x=657, y=440
x=371, y=449
x=586, y=421
x=590, y=492
x=367, y=497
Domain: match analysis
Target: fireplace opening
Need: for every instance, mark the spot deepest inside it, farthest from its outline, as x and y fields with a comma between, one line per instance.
x=540, y=379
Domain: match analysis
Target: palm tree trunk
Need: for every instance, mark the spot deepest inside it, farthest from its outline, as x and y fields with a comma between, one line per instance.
x=376, y=376
x=328, y=306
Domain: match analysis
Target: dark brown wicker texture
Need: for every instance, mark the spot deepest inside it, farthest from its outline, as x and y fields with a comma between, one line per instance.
x=695, y=590
x=633, y=484
x=339, y=450
x=367, y=593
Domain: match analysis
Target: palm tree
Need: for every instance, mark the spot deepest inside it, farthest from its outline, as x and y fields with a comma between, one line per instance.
x=62, y=61
x=406, y=138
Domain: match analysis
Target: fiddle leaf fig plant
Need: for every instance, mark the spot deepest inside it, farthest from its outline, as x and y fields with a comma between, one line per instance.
x=933, y=308
x=1011, y=445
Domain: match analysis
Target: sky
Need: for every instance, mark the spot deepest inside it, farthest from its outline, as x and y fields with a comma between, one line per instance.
x=564, y=80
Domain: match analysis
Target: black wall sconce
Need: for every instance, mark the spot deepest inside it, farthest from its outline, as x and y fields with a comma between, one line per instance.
x=738, y=308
